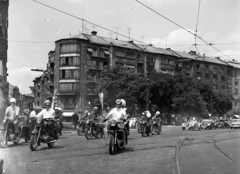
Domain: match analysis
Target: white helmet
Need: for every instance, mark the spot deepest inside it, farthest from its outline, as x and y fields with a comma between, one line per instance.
x=157, y=113
x=13, y=100
x=118, y=102
x=123, y=102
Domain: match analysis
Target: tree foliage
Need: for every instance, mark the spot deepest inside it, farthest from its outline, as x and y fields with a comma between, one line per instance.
x=170, y=94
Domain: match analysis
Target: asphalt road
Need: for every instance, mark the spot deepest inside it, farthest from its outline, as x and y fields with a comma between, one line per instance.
x=205, y=152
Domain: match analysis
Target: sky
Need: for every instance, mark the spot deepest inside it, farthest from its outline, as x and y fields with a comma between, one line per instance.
x=34, y=28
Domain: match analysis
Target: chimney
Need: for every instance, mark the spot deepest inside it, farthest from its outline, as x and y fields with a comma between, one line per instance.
x=204, y=55
x=192, y=52
x=131, y=41
x=94, y=33
x=168, y=48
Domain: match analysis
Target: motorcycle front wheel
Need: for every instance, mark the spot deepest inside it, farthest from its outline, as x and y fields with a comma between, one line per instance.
x=111, y=144
x=3, y=138
x=79, y=131
x=88, y=134
x=33, y=142
x=143, y=131
x=50, y=145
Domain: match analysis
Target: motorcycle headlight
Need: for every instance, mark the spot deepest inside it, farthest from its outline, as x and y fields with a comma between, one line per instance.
x=121, y=125
x=113, y=123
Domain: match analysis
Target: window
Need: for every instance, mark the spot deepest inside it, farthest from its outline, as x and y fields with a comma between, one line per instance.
x=69, y=102
x=68, y=87
x=214, y=70
x=198, y=68
x=1, y=68
x=207, y=75
x=171, y=62
x=92, y=76
x=92, y=64
x=69, y=74
x=130, y=55
x=163, y=61
x=1, y=20
x=150, y=60
x=70, y=61
x=119, y=53
x=70, y=48
x=100, y=65
x=94, y=53
x=187, y=65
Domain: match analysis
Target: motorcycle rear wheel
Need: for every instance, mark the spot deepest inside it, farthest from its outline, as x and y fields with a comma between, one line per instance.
x=111, y=144
x=33, y=142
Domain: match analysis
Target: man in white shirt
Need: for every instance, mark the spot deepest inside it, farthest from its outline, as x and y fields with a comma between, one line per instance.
x=117, y=112
x=46, y=113
x=12, y=114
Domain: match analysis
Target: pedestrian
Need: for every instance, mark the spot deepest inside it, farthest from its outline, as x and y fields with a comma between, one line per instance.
x=75, y=119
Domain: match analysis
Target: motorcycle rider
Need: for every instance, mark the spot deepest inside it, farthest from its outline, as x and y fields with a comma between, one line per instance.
x=124, y=110
x=147, y=116
x=12, y=115
x=157, y=117
x=116, y=114
x=58, y=115
x=94, y=116
x=48, y=112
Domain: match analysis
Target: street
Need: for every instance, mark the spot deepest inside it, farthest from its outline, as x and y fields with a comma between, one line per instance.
x=154, y=154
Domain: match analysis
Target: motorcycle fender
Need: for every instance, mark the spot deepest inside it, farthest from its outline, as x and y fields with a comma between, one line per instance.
x=34, y=132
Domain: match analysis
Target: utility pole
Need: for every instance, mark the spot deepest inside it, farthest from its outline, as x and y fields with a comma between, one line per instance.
x=129, y=32
x=117, y=32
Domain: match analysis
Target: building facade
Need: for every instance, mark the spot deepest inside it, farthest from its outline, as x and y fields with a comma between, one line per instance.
x=75, y=65
x=4, y=4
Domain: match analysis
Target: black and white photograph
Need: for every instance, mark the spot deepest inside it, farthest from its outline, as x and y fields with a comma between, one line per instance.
x=119, y=86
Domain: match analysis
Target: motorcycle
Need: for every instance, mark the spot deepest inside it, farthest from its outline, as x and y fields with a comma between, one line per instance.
x=139, y=124
x=156, y=126
x=117, y=136
x=59, y=124
x=41, y=134
x=8, y=134
x=89, y=131
x=145, y=128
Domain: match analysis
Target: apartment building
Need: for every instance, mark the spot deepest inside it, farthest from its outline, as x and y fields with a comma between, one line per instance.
x=75, y=65
x=4, y=4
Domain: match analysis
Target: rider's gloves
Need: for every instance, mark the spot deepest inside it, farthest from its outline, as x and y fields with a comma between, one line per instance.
x=104, y=120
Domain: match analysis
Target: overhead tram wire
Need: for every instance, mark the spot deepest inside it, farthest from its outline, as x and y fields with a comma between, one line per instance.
x=197, y=26
x=87, y=21
x=210, y=44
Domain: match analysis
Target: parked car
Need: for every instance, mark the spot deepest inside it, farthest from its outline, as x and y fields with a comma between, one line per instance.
x=191, y=124
x=206, y=124
x=235, y=123
x=222, y=124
